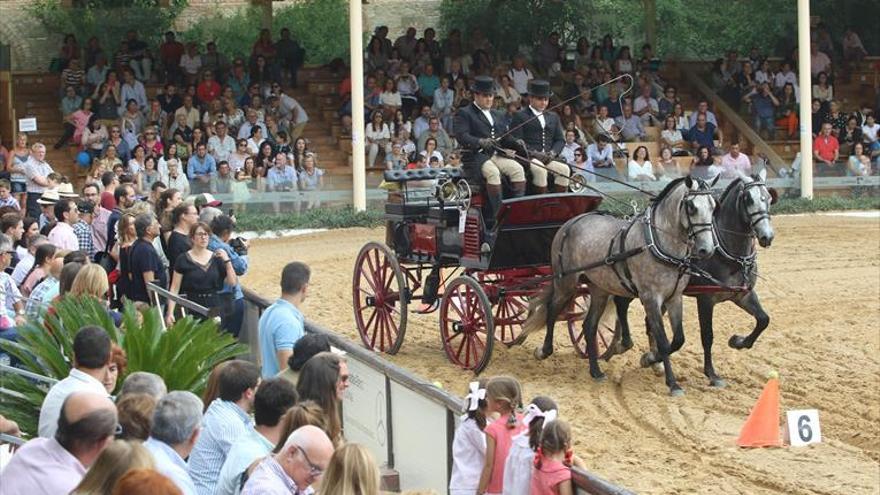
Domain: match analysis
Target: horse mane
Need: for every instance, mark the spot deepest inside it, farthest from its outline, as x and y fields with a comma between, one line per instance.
x=667, y=190
x=730, y=188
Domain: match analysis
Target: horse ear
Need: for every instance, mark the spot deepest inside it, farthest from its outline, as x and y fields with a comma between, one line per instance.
x=774, y=195
x=689, y=182
x=714, y=181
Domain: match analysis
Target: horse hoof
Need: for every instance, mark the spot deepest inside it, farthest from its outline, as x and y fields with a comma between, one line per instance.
x=676, y=391
x=539, y=354
x=717, y=383
x=658, y=368
x=601, y=377
x=647, y=359
x=737, y=342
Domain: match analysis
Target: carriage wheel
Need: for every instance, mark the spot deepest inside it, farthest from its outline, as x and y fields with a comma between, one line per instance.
x=510, y=314
x=575, y=321
x=379, y=298
x=466, y=324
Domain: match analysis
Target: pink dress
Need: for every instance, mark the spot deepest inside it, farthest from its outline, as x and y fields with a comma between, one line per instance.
x=545, y=481
x=503, y=437
x=80, y=121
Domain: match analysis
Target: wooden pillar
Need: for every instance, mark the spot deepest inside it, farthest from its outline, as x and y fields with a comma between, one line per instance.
x=7, y=113
x=650, y=7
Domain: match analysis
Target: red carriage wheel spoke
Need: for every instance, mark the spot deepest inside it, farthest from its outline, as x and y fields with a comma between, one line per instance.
x=465, y=342
x=466, y=314
x=379, y=285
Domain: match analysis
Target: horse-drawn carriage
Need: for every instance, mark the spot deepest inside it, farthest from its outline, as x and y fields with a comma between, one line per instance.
x=440, y=254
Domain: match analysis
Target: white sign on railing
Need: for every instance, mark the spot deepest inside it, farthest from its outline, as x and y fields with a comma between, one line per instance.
x=27, y=125
x=365, y=409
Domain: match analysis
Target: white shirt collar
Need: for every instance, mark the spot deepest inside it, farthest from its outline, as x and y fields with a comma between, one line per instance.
x=534, y=111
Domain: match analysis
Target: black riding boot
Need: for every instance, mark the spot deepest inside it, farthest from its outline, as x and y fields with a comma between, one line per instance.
x=493, y=195
x=519, y=189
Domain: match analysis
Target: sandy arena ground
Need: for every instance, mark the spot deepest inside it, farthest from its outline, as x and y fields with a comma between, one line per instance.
x=821, y=287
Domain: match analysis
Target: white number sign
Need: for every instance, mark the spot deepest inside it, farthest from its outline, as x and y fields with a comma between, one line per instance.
x=803, y=427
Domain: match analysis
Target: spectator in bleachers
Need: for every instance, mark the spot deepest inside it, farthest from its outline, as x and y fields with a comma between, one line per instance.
x=667, y=102
x=639, y=167
x=324, y=379
x=273, y=398
x=646, y=107
x=785, y=75
x=849, y=135
x=630, y=125
x=671, y=137
x=377, y=137
x=141, y=61
x=819, y=61
x=703, y=133
x=74, y=77
x=823, y=90
x=222, y=182
x=666, y=165
x=681, y=122
x=826, y=150
x=853, y=49
x=428, y=84
x=870, y=130
x=75, y=123
x=764, y=104
x=787, y=112
x=604, y=125
x=201, y=169
x=520, y=75
x=434, y=130
x=170, y=53
x=221, y=145
x=746, y=85
x=408, y=88
x=131, y=124
x=252, y=122
x=86, y=423
x=505, y=93
x=735, y=164
x=301, y=462
x=444, y=99
x=132, y=89
x=36, y=171
x=836, y=118
x=91, y=351
x=571, y=145
x=176, y=426
x=94, y=136
x=859, y=163
x=549, y=55
x=703, y=165
x=703, y=109
x=764, y=74
x=600, y=155
x=623, y=63
x=226, y=421
x=191, y=63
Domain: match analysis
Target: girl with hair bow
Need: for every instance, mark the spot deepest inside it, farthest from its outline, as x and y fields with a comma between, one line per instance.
x=518, y=467
x=469, y=444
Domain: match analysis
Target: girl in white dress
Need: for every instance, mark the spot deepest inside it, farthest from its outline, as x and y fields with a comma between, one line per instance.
x=469, y=444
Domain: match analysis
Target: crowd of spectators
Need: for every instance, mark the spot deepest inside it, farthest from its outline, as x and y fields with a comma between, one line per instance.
x=247, y=434
x=205, y=129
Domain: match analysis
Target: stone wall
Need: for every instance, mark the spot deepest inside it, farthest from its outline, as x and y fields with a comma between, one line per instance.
x=33, y=48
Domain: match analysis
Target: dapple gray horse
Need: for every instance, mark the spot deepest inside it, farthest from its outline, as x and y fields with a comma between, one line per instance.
x=646, y=257
x=743, y=215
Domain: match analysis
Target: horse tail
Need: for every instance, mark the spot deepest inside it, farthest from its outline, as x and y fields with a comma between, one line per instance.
x=537, y=312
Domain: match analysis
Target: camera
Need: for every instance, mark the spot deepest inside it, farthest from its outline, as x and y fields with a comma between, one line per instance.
x=239, y=246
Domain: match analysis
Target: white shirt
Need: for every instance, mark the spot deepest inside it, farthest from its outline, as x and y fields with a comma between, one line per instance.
x=634, y=170
x=25, y=262
x=468, y=456
x=170, y=464
x=540, y=116
x=520, y=79
x=77, y=381
x=785, y=77
x=869, y=132
x=641, y=103
x=488, y=115
x=221, y=148
x=518, y=466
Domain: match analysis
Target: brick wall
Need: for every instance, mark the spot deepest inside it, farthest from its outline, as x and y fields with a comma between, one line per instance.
x=33, y=48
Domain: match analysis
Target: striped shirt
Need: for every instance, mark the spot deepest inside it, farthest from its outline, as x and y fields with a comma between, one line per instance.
x=270, y=479
x=223, y=424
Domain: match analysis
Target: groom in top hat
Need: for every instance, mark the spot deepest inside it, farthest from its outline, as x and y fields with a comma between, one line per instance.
x=478, y=128
x=542, y=134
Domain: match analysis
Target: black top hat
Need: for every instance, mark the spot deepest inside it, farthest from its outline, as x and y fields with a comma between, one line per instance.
x=540, y=88
x=484, y=85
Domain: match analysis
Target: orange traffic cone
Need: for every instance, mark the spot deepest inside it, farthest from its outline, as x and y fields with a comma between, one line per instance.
x=762, y=426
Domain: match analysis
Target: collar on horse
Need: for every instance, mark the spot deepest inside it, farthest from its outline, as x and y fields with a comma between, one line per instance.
x=746, y=261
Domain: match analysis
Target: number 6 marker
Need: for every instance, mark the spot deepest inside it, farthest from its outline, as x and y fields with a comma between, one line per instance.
x=803, y=427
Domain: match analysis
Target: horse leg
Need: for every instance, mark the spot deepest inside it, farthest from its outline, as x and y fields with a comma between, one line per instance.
x=752, y=305
x=675, y=321
x=561, y=294
x=706, y=310
x=622, y=336
x=654, y=311
x=598, y=301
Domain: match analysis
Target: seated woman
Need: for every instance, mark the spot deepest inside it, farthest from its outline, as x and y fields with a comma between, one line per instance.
x=199, y=274
x=94, y=137
x=311, y=178
x=667, y=166
x=76, y=124
x=671, y=138
x=639, y=167
x=703, y=165
x=859, y=164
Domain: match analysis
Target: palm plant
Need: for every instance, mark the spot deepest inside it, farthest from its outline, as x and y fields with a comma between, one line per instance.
x=183, y=355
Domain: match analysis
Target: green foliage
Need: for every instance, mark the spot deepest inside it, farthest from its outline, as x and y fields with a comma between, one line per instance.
x=319, y=26
x=318, y=218
x=103, y=19
x=183, y=355
x=513, y=24
x=234, y=31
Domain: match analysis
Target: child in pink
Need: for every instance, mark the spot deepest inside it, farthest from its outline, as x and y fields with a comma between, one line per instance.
x=552, y=473
x=503, y=396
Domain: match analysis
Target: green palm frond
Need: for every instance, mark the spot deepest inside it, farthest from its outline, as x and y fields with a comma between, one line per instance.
x=183, y=355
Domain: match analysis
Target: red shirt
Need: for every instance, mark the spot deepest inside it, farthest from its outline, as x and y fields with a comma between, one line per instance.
x=208, y=91
x=171, y=52
x=826, y=147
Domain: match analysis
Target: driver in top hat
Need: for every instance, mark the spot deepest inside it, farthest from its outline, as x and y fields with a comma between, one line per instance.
x=541, y=133
x=477, y=127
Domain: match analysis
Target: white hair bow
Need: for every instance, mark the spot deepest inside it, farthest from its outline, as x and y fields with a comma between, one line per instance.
x=533, y=412
x=473, y=398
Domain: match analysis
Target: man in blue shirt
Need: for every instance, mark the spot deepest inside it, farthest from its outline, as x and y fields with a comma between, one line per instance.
x=702, y=134
x=177, y=422
x=282, y=324
x=200, y=169
x=221, y=228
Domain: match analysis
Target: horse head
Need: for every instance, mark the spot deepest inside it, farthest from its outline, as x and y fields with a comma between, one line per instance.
x=697, y=208
x=753, y=204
